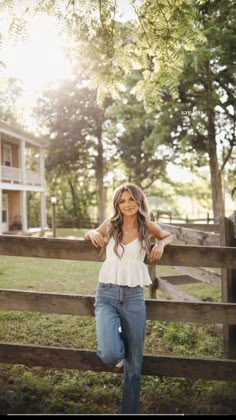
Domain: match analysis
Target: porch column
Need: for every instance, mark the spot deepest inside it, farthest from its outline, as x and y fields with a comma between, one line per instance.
x=43, y=211
x=43, y=194
x=0, y=158
x=42, y=167
x=22, y=161
x=24, y=193
x=0, y=211
x=24, y=211
x=0, y=184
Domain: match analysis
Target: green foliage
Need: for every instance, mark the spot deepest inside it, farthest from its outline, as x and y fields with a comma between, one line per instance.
x=10, y=91
x=155, y=43
x=132, y=127
x=75, y=160
x=183, y=339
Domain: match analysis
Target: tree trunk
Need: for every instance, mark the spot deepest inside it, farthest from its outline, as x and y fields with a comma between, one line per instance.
x=216, y=182
x=74, y=200
x=99, y=179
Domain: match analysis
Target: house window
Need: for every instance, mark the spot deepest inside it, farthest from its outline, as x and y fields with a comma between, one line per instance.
x=4, y=216
x=7, y=155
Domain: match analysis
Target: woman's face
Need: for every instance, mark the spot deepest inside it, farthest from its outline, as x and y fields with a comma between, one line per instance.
x=127, y=205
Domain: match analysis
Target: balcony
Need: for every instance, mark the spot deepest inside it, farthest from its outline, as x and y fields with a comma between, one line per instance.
x=15, y=176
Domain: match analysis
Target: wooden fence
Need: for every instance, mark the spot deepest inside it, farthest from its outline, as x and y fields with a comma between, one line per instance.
x=162, y=365
x=172, y=218
x=223, y=280
x=189, y=236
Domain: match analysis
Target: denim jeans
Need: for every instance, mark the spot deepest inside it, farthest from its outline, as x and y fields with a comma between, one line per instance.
x=122, y=305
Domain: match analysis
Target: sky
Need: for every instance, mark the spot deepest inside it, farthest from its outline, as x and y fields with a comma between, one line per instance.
x=126, y=9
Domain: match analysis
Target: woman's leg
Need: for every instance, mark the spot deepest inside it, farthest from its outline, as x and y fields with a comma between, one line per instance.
x=110, y=346
x=133, y=322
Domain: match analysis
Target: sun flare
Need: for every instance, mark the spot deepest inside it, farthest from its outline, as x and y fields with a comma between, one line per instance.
x=40, y=59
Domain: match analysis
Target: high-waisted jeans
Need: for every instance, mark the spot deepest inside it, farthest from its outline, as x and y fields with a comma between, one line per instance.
x=122, y=305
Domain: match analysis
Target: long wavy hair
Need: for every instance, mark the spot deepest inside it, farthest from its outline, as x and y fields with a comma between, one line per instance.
x=116, y=221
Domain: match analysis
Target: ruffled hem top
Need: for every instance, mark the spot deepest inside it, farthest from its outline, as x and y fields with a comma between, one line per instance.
x=129, y=270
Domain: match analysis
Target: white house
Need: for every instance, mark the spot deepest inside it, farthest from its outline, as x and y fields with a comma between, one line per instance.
x=16, y=179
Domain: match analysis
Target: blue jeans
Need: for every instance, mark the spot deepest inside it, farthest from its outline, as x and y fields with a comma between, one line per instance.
x=122, y=305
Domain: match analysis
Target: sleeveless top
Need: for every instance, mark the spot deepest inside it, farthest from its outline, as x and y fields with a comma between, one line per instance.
x=129, y=270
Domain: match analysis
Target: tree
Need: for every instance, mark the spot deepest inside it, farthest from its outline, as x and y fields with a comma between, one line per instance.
x=200, y=124
x=76, y=129
x=10, y=91
x=131, y=128
x=155, y=43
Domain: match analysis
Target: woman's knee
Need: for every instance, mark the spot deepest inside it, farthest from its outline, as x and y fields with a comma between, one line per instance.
x=110, y=358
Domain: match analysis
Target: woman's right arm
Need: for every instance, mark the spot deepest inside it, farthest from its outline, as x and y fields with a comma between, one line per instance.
x=96, y=236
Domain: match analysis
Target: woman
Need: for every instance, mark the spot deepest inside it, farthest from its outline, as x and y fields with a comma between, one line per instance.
x=119, y=306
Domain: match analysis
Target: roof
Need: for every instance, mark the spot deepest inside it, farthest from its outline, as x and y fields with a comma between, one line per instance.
x=18, y=133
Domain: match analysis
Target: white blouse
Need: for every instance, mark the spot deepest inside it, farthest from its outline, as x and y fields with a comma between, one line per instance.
x=129, y=270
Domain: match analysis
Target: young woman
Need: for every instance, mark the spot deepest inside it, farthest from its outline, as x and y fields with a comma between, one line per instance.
x=119, y=305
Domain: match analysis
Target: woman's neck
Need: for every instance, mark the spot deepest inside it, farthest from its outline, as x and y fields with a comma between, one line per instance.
x=130, y=222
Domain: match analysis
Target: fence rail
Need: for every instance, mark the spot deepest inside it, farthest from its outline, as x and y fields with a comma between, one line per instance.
x=66, y=304
x=75, y=249
x=70, y=358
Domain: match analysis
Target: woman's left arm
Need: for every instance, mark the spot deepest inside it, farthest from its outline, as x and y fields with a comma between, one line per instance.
x=164, y=238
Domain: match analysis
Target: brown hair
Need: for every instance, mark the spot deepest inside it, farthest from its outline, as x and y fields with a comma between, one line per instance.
x=115, y=227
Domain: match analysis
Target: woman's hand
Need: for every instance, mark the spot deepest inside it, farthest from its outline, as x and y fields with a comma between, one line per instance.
x=156, y=252
x=96, y=238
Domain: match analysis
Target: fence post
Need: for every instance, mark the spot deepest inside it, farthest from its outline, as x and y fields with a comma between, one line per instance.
x=228, y=287
x=208, y=218
x=152, y=274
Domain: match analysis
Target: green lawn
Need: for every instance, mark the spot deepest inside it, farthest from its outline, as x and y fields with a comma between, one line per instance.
x=48, y=275
x=65, y=233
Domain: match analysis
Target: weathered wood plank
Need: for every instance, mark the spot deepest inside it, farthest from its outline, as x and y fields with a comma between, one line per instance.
x=186, y=367
x=174, y=292
x=205, y=227
x=70, y=249
x=198, y=256
x=198, y=312
x=202, y=274
x=161, y=365
x=152, y=273
x=54, y=303
x=191, y=236
x=208, y=227
x=228, y=286
x=180, y=279
x=46, y=302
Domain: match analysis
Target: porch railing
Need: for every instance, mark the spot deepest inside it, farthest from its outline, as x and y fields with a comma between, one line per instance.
x=15, y=175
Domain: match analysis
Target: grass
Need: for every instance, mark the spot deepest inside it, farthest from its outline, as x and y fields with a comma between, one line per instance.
x=48, y=275
x=40, y=391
